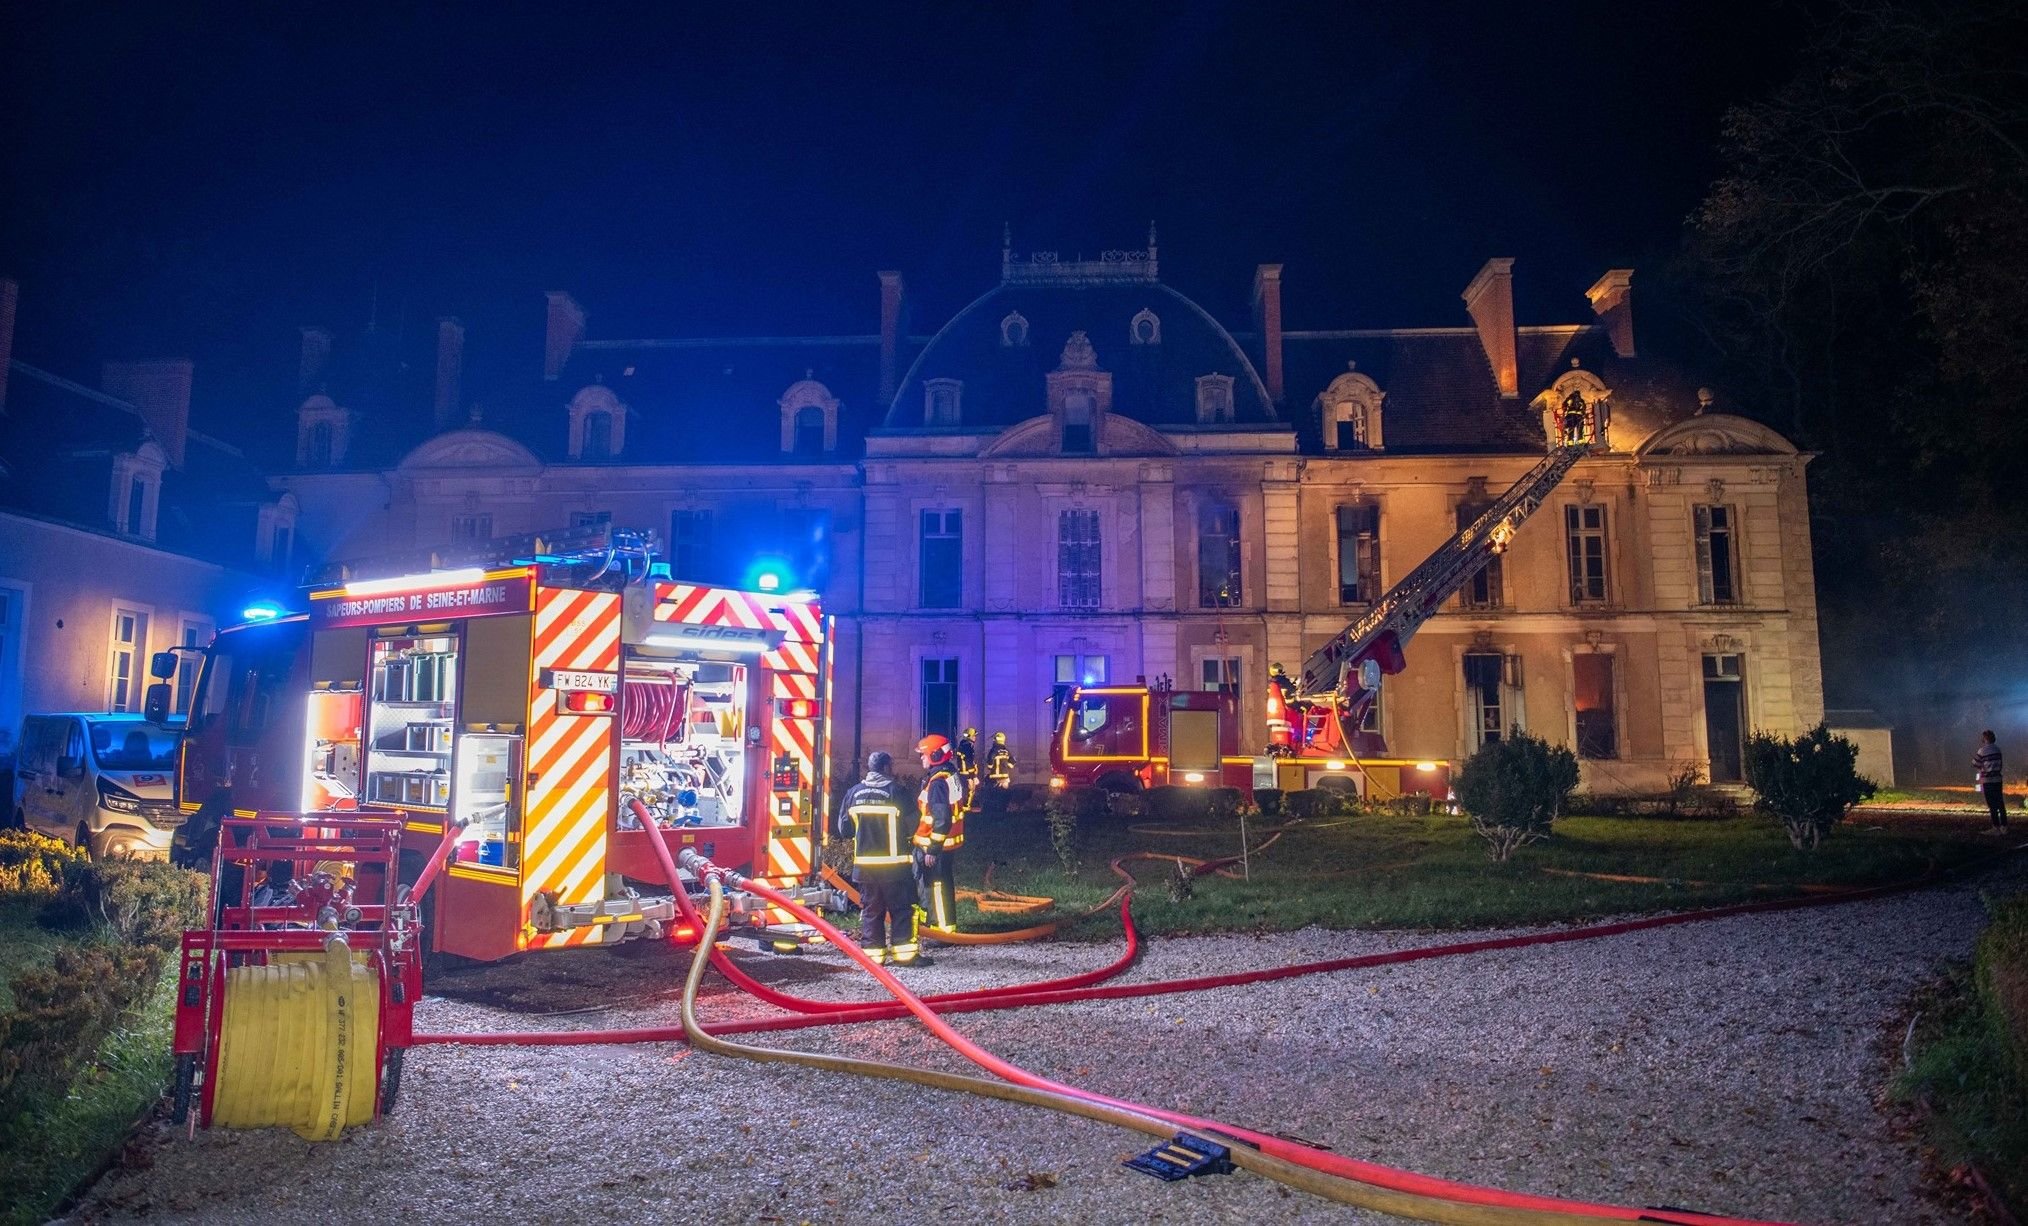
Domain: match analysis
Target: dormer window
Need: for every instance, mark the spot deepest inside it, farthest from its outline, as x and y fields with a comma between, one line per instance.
x=136, y=493
x=1146, y=328
x=1079, y=410
x=1014, y=330
x=809, y=418
x=598, y=425
x=322, y=432
x=1350, y=410
x=1214, y=399
x=275, y=532
x=320, y=445
x=1575, y=409
x=940, y=401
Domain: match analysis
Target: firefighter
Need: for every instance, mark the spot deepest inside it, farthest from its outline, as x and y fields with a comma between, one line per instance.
x=940, y=830
x=968, y=759
x=1000, y=763
x=882, y=864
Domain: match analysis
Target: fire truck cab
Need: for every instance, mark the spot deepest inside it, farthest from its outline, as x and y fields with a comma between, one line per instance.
x=536, y=716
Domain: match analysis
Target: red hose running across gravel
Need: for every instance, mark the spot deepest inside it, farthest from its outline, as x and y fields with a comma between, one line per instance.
x=1289, y=1151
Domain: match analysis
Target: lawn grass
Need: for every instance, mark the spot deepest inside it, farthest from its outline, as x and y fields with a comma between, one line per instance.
x=74, y=1135
x=1434, y=873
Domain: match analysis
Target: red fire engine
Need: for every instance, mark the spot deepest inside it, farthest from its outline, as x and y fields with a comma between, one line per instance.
x=1131, y=736
x=536, y=710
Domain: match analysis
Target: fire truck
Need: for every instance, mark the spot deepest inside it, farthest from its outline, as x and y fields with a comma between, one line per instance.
x=536, y=705
x=1125, y=737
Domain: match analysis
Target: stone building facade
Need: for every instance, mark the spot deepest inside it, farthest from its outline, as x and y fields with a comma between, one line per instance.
x=1084, y=476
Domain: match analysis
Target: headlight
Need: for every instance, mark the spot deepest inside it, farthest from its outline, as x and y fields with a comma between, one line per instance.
x=117, y=798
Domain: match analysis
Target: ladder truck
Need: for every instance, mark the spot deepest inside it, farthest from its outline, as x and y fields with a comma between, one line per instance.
x=1126, y=737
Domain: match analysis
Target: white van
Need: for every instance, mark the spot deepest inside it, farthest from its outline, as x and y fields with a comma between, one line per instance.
x=104, y=782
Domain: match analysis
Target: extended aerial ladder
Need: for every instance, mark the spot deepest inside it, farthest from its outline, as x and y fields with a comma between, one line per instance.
x=1342, y=678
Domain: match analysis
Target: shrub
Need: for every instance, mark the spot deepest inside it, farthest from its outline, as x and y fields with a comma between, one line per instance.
x=1514, y=788
x=1125, y=806
x=1065, y=811
x=1224, y=804
x=1407, y=804
x=2000, y=977
x=1179, y=804
x=32, y=865
x=141, y=902
x=1310, y=803
x=1268, y=801
x=1808, y=784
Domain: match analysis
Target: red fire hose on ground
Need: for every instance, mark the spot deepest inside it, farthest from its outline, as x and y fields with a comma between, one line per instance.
x=1348, y=1179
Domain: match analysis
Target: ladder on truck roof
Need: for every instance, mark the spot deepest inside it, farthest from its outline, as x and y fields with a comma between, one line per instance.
x=593, y=545
x=1385, y=629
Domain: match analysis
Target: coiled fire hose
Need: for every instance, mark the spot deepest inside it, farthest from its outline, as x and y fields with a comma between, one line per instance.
x=1348, y=1181
x=299, y=1044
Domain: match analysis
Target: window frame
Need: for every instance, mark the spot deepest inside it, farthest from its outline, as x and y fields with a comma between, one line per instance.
x=596, y=427
x=135, y=652
x=1365, y=553
x=1578, y=722
x=1080, y=559
x=1490, y=578
x=943, y=402
x=1235, y=570
x=950, y=666
x=1577, y=538
x=1216, y=401
x=1704, y=529
x=699, y=543
x=464, y=523
x=950, y=527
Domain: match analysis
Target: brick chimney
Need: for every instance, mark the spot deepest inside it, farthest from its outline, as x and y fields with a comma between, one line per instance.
x=1612, y=300
x=1490, y=299
x=316, y=360
x=1267, y=321
x=892, y=291
x=161, y=390
x=566, y=329
x=450, y=370
x=9, y=293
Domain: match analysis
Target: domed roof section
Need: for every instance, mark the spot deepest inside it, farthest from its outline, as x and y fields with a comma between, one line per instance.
x=1155, y=343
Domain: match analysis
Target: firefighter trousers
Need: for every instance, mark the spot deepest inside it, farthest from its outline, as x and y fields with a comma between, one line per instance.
x=887, y=913
x=940, y=882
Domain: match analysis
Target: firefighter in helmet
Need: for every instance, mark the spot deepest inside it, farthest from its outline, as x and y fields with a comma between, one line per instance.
x=882, y=864
x=967, y=752
x=940, y=830
x=1000, y=763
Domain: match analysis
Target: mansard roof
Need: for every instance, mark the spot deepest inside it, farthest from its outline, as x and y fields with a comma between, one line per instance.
x=1154, y=383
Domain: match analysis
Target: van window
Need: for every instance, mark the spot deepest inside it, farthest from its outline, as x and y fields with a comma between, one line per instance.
x=40, y=735
x=74, y=741
x=125, y=745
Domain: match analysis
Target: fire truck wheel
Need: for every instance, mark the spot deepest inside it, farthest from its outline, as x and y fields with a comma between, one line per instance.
x=179, y=1097
x=390, y=1080
x=1118, y=781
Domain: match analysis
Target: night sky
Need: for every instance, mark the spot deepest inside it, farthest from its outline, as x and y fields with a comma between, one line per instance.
x=199, y=185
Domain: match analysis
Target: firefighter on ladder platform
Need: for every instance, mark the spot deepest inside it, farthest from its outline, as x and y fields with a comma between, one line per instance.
x=940, y=830
x=883, y=864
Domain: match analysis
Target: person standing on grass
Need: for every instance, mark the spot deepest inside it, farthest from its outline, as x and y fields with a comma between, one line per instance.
x=1986, y=768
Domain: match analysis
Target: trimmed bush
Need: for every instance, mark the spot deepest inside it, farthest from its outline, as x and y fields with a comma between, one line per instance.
x=1309, y=804
x=32, y=866
x=1224, y=804
x=1808, y=784
x=1179, y=804
x=1268, y=801
x=1514, y=788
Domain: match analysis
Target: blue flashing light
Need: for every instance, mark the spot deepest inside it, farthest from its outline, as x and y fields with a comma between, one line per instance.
x=261, y=611
x=768, y=581
x=768, y=573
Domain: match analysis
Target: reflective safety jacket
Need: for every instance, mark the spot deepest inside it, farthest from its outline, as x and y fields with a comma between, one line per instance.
x=1000, y=765
x=941, y=804
x=871, y=818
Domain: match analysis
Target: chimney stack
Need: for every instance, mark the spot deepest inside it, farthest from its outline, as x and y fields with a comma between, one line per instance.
x=1267, y=320
x=450, y=369
x=566, y=329
x=1612, y=300
x=1490, y=299
x=161, y=390
x=9, y=293
x=891, y=294
x=316, y=359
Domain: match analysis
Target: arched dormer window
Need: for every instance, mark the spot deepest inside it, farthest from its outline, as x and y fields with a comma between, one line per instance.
x=941, y=401
x=1014, y=330
x=1145, y=328
x=136, y=495
x=323, y=430
x=598, y=424
x=1575, y=408
x=275, y=533
x=1214, y=399
x=809, y=418
x=1350, y=412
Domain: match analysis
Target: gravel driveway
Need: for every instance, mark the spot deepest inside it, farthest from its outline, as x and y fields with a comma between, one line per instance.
x=1727, y=1066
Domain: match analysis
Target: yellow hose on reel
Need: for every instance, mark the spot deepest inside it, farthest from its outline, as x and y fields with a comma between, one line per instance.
x=299, y=1045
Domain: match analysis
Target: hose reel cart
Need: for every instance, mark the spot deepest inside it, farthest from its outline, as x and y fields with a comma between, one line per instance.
x=294, y=1009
